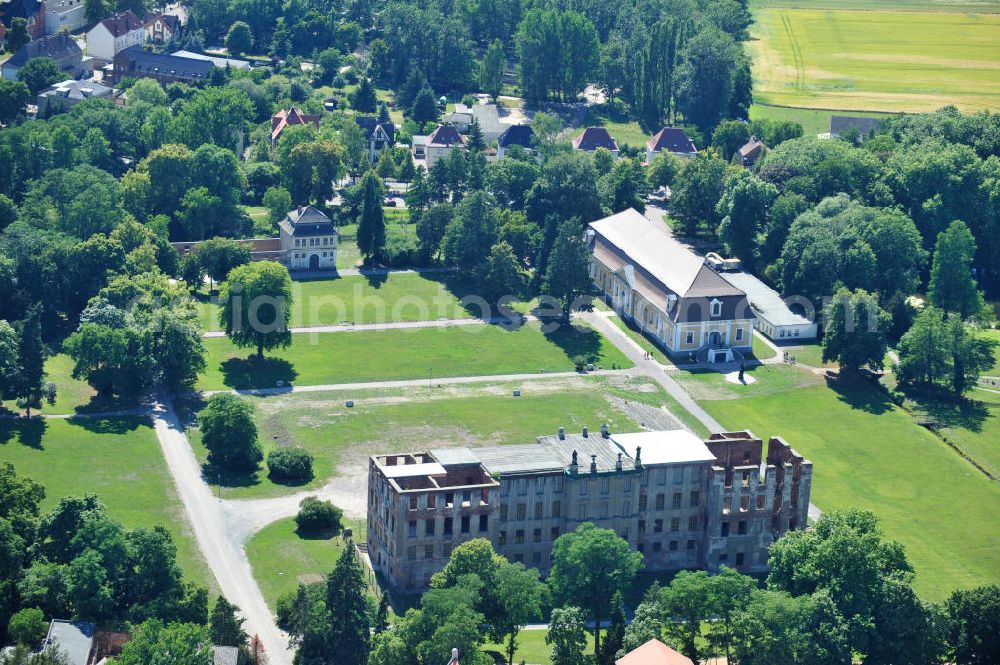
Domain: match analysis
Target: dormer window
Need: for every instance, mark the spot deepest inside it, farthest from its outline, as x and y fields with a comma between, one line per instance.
x=716, y=308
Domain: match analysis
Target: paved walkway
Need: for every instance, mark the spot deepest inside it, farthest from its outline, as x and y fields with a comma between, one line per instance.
x=307, y=275
x=221, y=547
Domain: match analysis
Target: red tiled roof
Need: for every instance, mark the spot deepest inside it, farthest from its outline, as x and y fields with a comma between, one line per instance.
x=594, y=138
x=654, y=652
x=671, y=139
x=445, y=135
x=293, y=116
x=122, y=24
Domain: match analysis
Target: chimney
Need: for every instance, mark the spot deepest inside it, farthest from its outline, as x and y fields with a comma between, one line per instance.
x=638, y=457
x=618, y=464
x=454, y=657
x=585, y=434
x=605, y=432
x=300, y=210
x=562, y=433
x=593, y=463
x=574, y=467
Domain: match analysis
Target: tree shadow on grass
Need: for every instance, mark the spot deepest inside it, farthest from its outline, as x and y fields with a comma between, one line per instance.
x=858, y=392
x=938, y=407
x=100, y=402
x=116, y=425
x=214, y=475
x=29, y=432
x=254, y=372
x=375, y=278
x=318, y=534
x=575, y=341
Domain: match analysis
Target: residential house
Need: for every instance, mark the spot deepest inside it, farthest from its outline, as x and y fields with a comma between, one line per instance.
x=379, y=135
x=594, y=138
x=64, y=15
x=136, y=62
x=861, y=126
x=289, y=118
x=73, y=639
x=667, y=291
x=32, y=11
x=308, y=240
x=437, y=145
x=522, y=135
x=750, y=152
x=781, y=320
x=680, y=501
x=488, y=118
x=161, y=28
x=115, y=34
x=460, y=118
x=66, y=94
x=221, y=63
x=654, y=652
x=61, y=47
x=672, y=140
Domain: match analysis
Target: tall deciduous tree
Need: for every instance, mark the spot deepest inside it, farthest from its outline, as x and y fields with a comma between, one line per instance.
x=491, y=69
x=855, y=332
x=239, y=39
x=924, y=349
x=952, y=286
x=697, y=189
x=589, y=566
x=974, y=625
x=229, y=433
x=567, y=636
x=363, y=99
x=17, y=36
x=371, y=223
x=14, y=96
x=744, y=208
x=567, y=272
x=471, y=232
x=256, y=306
x=705, y=78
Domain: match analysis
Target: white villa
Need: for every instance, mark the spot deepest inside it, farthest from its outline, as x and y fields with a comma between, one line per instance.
x=308, y=240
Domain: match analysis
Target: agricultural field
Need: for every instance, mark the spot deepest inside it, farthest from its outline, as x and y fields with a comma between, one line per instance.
x=117, y=459
x=870, y=454
x=361, y=299
x=813, y=121
x=869, y=56
x=386, y=355
x=393, y=420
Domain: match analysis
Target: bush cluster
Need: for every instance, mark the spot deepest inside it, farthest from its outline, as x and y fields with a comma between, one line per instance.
x=317, y=516
x=290, y=465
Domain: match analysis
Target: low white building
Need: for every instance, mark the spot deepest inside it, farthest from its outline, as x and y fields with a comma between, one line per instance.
x=441, y=141
x=64, y=15
x=115, y=34
x=62, y=96
x=774, y=318
x=308, y=240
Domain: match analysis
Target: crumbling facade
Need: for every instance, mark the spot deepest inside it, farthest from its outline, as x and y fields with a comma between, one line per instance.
x=681, y=502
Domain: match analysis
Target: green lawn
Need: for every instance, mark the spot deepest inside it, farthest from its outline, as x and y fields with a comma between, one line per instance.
x=374, y=299
x=813, y=121
x=406, y=354
x=995, y=336
x=532, y=648
x=72, y=395
x=281, y=559
x=262, y=227
x=340, y=438
x=761, y=349
x=869, y=454
x=119, y=460
x=639, y=339
x=624, y=131
x=808, y=354
x=886, y=60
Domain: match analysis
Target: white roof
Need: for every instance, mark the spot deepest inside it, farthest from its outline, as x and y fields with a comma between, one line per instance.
x=218, y=61
x=664, y=447
x=410, y=470
x=651, y=246
x=765, y=300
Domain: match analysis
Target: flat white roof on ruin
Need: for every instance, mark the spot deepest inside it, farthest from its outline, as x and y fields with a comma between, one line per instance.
x=676, y=446
x=410, y=470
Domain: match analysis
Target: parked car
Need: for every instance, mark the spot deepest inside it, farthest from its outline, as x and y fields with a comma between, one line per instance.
x=390, y=203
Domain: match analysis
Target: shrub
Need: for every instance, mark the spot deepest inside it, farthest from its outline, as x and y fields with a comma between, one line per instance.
x=293, y=464
x=400, y=251
x=28, y=627
x=580, y=363
x=317, y=516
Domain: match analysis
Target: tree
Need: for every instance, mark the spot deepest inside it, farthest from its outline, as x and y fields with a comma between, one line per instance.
x=173, y=644
x=690, y=601
x=614, y=640
x=504, y=276
x=317, y=516
x=219, y=256
x=776, y=627
x=39, y=73
x=9, y=362
x=744, y=208
x=855, y=331
x=705, y=78
x=18, y=35
x=431, y=229
x=149, y=91
x=472, y=230
x=589, y=566
x=566, y=636
x=952, y=286
x=31, y=355
x=371, y=222
x=424, y=108
x=229, y=433
x=14, y=96
x=648, y=621
x=974, y=625
x=112, y=360
x=924, y=356
x=663, y=170
x=94, y=10
x=89, y=588
x=491, y=69
x=28, y=626
x=971, y=355
x=729, y=136
x=291, y=464
x=519, y=596
x=239, y=39
x=225, y=626
x=625, y=186
x=697, y=190
x=567, y=274
x=381, y=623
x=345, y=597
x=256, y=306
x=363, y=99
x=278, y=202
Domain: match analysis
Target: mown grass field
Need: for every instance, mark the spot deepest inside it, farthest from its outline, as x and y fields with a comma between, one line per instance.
x=868, y=453
x=876, y=56
x=384, y=421
x=117, y=459
x=281, y=559
x=813, y=121
x=356, y=299
x=387, y=355
x=531, y=647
